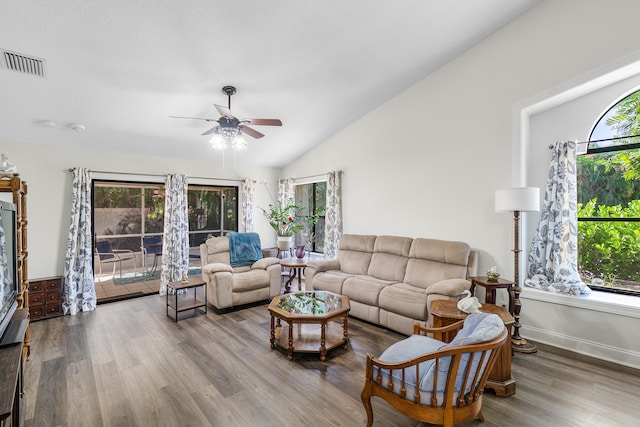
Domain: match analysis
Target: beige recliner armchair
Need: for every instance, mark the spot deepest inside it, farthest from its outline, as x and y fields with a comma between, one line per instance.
x=229, y=286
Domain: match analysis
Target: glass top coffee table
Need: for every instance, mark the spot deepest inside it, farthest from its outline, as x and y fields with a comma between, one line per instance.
x=313, y=321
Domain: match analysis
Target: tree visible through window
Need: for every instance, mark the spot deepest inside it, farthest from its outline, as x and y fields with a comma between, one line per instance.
x=312, y=199
x=609, y=201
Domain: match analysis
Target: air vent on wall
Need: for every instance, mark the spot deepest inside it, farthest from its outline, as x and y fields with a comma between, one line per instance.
x=23, y=63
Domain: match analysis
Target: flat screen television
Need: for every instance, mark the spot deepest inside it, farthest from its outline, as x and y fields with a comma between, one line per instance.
x=8, y=264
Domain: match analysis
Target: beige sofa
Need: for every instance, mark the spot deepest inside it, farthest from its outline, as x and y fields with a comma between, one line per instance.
x=391, y=280
x=229, y=286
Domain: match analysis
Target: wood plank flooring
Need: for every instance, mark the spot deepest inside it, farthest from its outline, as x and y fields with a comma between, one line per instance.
x=127, y=364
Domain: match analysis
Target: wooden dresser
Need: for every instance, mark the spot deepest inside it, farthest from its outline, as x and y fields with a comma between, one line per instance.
x=45, y=298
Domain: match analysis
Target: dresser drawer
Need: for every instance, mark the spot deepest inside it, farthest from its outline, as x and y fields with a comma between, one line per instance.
x=53, y=285
x=36, y=313
x=52, y=297
x=36, y=286
x=53, y=310
x=36, y=298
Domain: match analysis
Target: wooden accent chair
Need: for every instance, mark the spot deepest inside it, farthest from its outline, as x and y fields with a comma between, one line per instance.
x=434, y=382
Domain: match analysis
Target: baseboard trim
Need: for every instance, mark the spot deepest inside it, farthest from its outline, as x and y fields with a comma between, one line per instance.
x=585, y=347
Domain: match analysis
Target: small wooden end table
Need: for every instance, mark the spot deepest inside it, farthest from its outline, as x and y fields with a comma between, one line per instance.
x=445, y=313
x=187, y=303
x=490, y=287
x=295, y=266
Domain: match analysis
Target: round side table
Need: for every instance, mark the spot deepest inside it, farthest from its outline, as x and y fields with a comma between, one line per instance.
x=296, y=267
x=490, y=288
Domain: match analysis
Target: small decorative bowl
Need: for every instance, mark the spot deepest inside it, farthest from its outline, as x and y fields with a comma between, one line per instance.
x=493, y=277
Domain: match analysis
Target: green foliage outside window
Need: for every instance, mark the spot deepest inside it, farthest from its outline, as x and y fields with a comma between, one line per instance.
x=607, y=249
x=609, y=187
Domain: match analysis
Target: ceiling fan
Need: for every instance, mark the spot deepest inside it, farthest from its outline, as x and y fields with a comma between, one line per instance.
x=229, y=129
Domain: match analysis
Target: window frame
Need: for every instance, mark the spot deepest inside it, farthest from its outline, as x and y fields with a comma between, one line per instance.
x=593, y=148
x=142, y=185
x=314, y=208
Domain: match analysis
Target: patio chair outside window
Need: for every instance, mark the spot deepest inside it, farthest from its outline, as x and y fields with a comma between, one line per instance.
x=106, y=254
x=152, y=245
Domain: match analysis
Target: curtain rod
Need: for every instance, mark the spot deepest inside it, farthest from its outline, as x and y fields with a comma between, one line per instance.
x=314, y=176
x=158, y=175
x=601, y=140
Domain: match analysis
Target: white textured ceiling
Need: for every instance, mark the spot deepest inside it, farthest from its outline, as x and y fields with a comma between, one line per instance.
x=121, y=67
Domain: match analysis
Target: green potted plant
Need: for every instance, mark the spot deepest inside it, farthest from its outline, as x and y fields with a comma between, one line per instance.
x=283, y=218
x=287, y=220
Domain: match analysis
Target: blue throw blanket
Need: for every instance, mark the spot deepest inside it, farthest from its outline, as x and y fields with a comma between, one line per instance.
x=244, y=248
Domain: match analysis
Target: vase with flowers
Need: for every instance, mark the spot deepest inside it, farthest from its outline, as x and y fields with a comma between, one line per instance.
x=287, y=219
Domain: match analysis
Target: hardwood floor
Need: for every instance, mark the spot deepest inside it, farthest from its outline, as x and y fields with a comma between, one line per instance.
x=127, y=364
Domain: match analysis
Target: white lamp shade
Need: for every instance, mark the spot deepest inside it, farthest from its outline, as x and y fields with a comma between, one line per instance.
x=523, y=199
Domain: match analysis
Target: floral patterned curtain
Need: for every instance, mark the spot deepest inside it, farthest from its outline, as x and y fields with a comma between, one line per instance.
x=175, y=242
x=553, y=257
x=247, y=190
x=333, y=214
x=286, y=191
x=78, y=288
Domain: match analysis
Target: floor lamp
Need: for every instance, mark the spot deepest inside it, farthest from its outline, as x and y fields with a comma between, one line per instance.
x=516, y=200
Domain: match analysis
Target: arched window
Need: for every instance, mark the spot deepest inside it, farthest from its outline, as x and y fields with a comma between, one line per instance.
x=609, y=200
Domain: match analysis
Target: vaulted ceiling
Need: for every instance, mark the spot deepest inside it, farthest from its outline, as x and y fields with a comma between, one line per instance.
x=122, y=67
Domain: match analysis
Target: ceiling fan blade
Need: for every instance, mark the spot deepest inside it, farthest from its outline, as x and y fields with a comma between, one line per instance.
x=210, y=131
x=193, y=118
x=224, y=111
x=264, y=122
x=251, y=132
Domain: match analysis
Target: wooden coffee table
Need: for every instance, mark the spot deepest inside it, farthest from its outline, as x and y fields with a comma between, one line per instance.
x=445, y=312
x=313, y=321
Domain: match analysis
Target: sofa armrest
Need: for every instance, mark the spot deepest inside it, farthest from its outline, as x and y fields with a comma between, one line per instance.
x=216, y=267
x=449, y=287
x=324, y=264
x=263, y=263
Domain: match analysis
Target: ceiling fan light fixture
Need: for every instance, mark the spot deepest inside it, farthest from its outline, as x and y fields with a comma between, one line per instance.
x=218, y=141
x=229, y=131
x=239, y=143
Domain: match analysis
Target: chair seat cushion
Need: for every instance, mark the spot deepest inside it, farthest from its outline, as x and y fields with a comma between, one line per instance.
x=407, y=349
x=250, y=280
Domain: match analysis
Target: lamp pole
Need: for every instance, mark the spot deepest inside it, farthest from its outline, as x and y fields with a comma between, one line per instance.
x=518, y=343
x=517, y=200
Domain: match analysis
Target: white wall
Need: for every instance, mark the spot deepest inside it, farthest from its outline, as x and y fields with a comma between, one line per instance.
x=45, y=169
x=427, y=163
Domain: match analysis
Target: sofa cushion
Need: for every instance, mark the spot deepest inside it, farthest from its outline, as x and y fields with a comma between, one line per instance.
x=389, y=258
x=405, y=299
x=434, y=260
x=354, y=253
x=443, y=251
x=330, y=281
x=364, y=289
